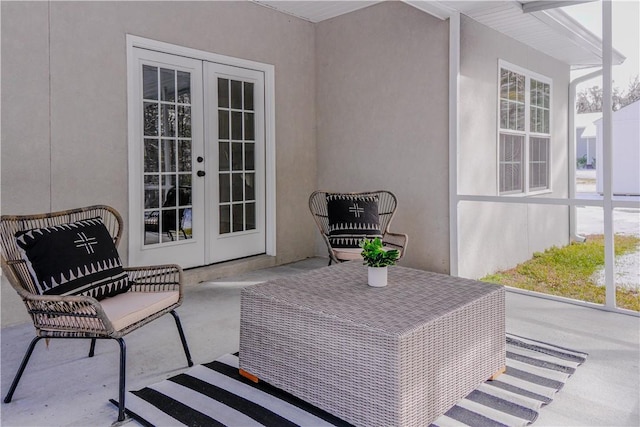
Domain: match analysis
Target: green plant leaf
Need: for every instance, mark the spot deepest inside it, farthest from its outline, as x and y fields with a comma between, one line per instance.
x=375, y=255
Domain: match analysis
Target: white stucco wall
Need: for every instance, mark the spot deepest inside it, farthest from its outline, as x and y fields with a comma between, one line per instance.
x=64, y=103
x=498, y=236
x=382, y=101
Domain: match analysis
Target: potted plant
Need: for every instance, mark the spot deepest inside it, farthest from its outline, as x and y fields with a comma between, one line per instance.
x=377, y=259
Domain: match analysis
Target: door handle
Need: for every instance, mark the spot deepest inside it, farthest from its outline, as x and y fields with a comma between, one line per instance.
x=201, y=173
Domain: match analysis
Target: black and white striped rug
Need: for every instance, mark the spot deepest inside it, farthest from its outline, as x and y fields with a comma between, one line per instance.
x=214, y=394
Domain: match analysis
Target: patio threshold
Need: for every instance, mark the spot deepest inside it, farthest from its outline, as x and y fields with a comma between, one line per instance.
x=62, y=386
x=566, y=300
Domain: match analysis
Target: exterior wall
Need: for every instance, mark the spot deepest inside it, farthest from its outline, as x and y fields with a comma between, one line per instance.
x=497, y=236
x=382, y=100
x=586, y=137
x=586, y=147
x=626, y=151
x=64, y=103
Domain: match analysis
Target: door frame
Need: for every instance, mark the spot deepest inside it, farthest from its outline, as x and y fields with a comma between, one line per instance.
x=268, y=70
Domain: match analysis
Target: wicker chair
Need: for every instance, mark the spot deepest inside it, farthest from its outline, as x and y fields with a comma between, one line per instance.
x=81, y=316
x=387, y=204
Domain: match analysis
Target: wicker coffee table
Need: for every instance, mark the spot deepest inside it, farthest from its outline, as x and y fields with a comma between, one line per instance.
x=401, y=355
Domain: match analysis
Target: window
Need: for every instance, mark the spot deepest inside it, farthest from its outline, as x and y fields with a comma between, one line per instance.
x=524, y=131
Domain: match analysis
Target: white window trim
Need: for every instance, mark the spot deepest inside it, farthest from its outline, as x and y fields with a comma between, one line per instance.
x=133, y=42
x=527, y=133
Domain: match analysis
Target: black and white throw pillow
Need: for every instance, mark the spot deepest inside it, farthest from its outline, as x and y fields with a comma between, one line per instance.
x=78, y=258
x=352, y=218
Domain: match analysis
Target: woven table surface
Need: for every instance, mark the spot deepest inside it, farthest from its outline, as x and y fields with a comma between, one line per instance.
x=412, y=298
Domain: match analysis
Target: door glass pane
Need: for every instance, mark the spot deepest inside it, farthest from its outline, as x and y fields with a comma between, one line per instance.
x=236, y=156
x=237, y=187
x=151, y=191
x=236, y=125
x=149, y=82
x=223, y=124
x=225, y=219
x=238, y=217
x=236, y=94
x=167, y=85
x=249, y=156
x=225, y=187
x=185, y=224
x=168, y=120
x=151, y=155
x=184, y=122
x=223, y=93
x=168, y=162
x=184, y=156
x=150, y=119
x=151, y=227
x=168, y=156
x=223, y=156
x=236, y=152
x=185, y=185
x=169, y=222
x=248, y=96
x=184, y=87
x=250, y=216
x=249, y=132
x=170, y=195
x=250, y=186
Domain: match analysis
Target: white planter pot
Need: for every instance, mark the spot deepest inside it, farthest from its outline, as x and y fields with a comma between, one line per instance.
x=377, y=276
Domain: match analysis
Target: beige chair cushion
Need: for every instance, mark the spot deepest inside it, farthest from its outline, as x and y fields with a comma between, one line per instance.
x=347, y=254
x=350, y=254
x=131, y=307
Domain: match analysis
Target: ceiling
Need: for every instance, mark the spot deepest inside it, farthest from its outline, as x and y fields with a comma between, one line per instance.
x=538, y=24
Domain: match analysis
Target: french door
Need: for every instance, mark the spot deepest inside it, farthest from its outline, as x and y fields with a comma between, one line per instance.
x=235, y=135
x=197, y=161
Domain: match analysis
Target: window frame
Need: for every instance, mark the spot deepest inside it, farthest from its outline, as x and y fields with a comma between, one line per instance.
x=527, y=132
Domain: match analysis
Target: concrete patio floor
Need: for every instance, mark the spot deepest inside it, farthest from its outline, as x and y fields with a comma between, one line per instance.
x=63, y=387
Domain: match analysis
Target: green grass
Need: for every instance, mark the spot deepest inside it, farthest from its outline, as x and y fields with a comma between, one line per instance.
x=568, y=271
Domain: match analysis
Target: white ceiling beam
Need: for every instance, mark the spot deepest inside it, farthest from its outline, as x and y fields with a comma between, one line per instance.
x=535, y=6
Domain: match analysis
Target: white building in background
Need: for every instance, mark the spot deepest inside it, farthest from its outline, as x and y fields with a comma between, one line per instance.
x=586, y=138
x=626, y=151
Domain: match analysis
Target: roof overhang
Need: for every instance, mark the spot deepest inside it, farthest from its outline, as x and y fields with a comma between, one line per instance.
x=540, y=24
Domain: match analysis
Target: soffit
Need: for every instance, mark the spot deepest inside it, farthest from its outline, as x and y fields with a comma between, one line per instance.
x=316, y=10
x=550, y=31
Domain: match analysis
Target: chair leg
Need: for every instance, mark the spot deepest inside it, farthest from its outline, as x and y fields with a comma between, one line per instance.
x=123, y=364
x=92, y=349
x=121, y=391
x=23, y=365
x=182, y=338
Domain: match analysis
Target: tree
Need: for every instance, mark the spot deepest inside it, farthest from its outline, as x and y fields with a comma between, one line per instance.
x=589, y=100
x=633, y=94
